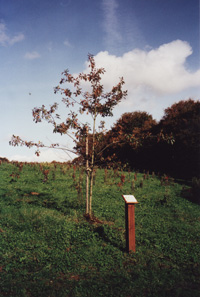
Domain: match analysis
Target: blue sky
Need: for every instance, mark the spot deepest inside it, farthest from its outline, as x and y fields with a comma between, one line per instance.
x=153, y=44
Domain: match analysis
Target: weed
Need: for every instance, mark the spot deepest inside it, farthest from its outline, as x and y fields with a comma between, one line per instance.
x=132, y=185
x=141, y=182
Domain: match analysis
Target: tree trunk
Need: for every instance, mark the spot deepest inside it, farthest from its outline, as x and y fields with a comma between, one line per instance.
x=92, y=166
x=87, y=174
x=91, y=188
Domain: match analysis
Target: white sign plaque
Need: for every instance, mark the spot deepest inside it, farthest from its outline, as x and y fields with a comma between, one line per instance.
x=129, y=199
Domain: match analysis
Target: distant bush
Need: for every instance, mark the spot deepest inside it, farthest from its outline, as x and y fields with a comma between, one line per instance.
x=4, y=160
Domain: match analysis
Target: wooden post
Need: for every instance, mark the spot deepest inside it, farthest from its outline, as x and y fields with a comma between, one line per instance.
x=130, y=202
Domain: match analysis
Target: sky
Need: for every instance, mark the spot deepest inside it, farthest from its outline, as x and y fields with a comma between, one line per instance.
x=153, y=44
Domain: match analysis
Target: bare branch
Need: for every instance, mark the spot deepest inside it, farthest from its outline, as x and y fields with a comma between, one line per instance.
x=17, y=141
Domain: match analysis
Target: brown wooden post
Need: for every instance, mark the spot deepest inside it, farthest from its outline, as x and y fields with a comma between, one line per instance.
x=130, y=202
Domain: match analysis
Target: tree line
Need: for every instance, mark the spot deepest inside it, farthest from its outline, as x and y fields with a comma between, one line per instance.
x=137, y=141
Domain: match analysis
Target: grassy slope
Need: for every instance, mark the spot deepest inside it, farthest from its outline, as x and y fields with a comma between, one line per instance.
x=47, y=247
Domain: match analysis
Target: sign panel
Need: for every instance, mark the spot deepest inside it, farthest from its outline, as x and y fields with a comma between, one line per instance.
x=129, y=199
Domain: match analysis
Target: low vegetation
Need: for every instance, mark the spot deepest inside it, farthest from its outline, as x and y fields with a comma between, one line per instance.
x=49, y=248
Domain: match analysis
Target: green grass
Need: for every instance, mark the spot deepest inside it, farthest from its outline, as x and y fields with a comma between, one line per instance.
x=47, y=248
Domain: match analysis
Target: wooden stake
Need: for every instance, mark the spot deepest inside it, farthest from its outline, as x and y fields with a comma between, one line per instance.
x=130, y=202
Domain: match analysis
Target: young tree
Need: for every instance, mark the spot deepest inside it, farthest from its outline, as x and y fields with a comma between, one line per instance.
x=94, y=103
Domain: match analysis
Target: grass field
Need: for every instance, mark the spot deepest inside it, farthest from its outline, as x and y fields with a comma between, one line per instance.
x=48, y=248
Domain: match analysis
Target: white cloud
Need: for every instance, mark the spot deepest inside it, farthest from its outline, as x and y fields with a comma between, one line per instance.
x=32, y=55
x=16, y=38
x=67, y=43
x=160, y=71
x=153, y=77
x=110, y=23
x=48, y=155
x=5, y=39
